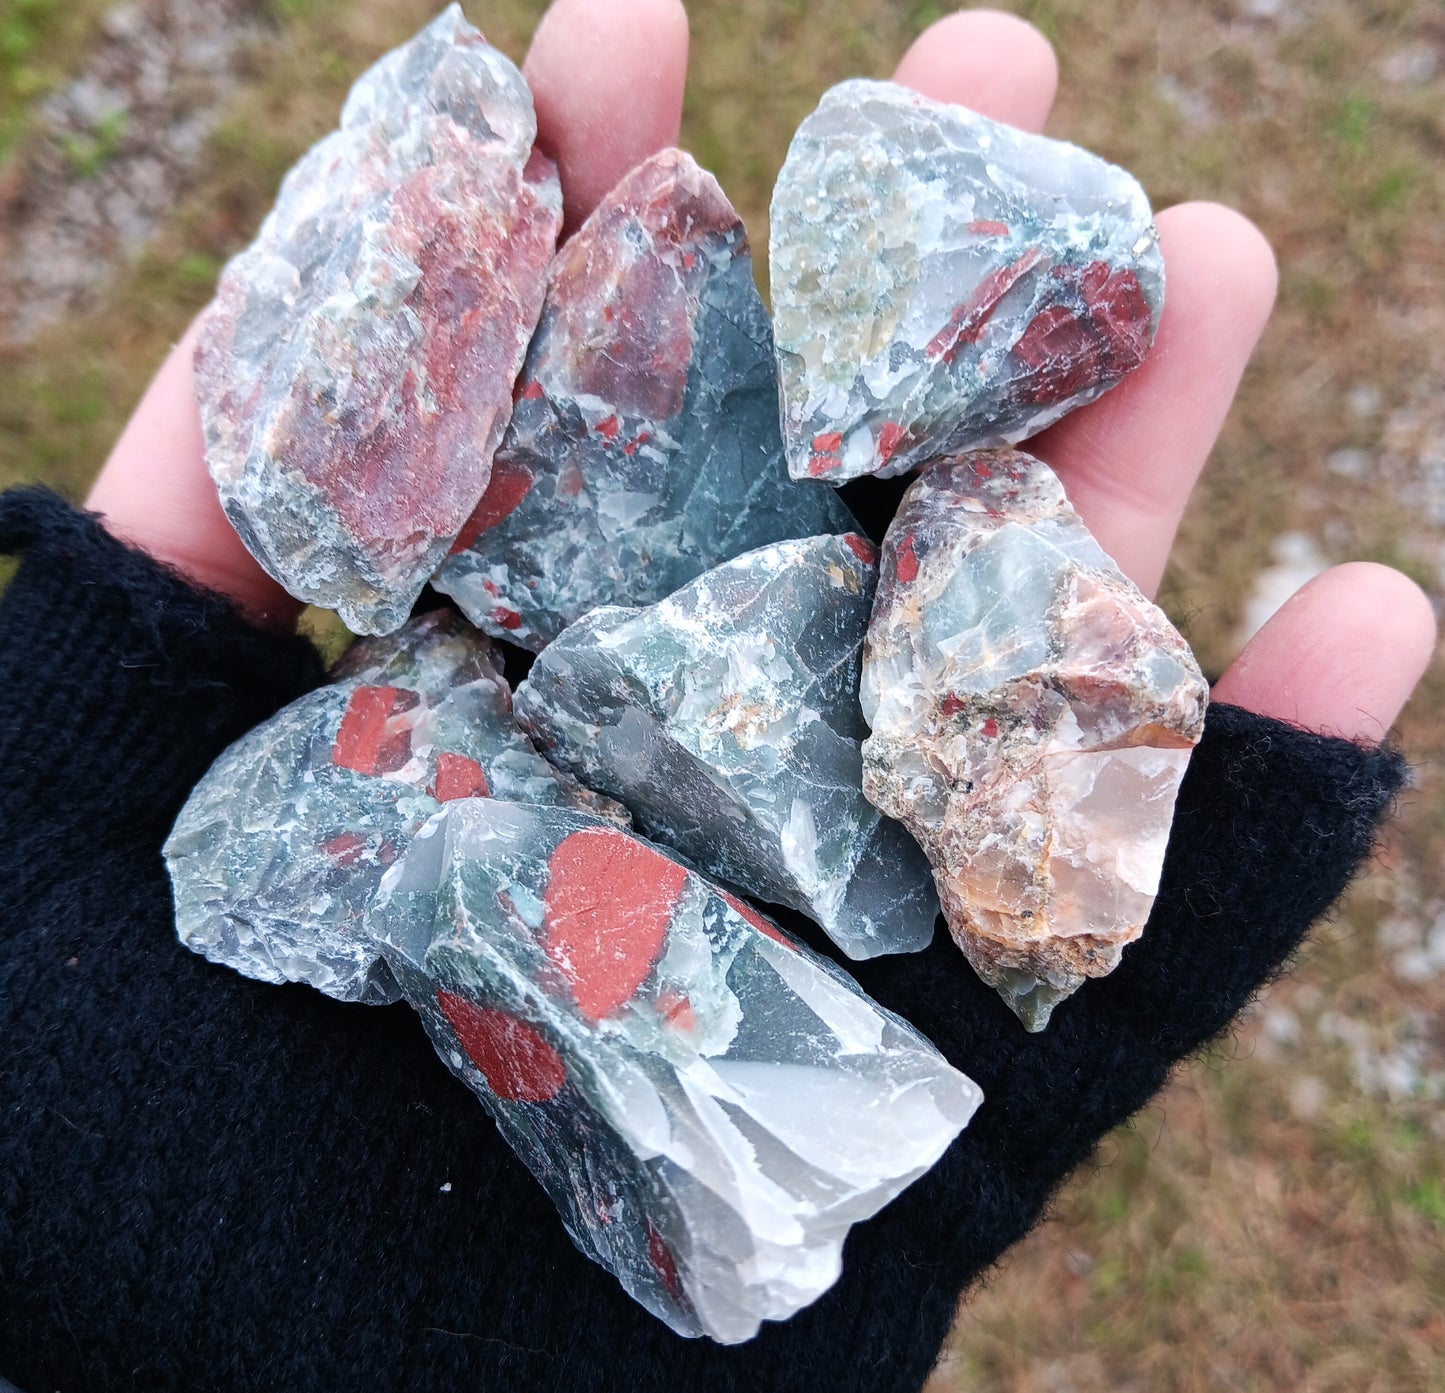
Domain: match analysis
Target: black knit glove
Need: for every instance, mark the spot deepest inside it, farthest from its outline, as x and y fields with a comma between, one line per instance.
x=207, y=1183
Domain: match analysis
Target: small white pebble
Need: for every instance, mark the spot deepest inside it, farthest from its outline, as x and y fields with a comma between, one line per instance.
x=1411, y=65
x=1281, y=1025
x=1414, y=965
x=1349, y=463
x=1398, y=931
x=1399, y=1077
x=1307, y=1097
x=1435, y=947
x=1363, y=400
x=1297, y=559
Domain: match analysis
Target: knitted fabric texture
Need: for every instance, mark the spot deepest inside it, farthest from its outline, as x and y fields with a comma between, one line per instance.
x=211, y=1184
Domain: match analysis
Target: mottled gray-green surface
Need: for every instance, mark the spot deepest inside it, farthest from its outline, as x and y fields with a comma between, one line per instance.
x=280, y=848
x=726, y=719
x=942, y=282
x=710, y=1105
x=644, y=445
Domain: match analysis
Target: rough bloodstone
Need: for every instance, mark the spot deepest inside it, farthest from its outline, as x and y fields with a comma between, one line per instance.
x=726, y=719
x=942, y=282
x=644, y=445
x=281, y=846
x=1032, y=717
x=355, y=370
x=710, y=1106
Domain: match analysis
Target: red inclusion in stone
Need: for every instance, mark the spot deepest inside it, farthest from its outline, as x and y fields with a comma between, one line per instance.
x=363, y=731
x=459, y=777
x=395, y=752
x=346, y=848
x=1068, y=350
x=608, y=429
x=889, y=439
x=506, y=618
x=986, y=227
x=824, y=454
x=763, y=925
x=1120, y=312
x=662, y=1262
x=990, y=729
x=906, y=565
x=608, y=905
x=482, y=238
x=676, y=1010
x=508, y=487
x=646, y=252
x=950, y=707
x=969, y=319
x=516, y=1061
x=861, y=547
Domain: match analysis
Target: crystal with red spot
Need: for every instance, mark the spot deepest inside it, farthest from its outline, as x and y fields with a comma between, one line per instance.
x=710, y=1105
x=942, y=282
x=726, y=719
x=1032, y=716
x=355, y=370
x=281, y=846
x=644, y=445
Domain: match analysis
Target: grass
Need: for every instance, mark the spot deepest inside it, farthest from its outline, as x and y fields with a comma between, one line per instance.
x=41, y=43
x=89, y=154
x=1276, y=1220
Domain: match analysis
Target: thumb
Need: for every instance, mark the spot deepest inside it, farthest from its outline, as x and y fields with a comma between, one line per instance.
x=156, y=493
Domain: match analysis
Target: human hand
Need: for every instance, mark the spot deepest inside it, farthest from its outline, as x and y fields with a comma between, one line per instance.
x=1343, y=656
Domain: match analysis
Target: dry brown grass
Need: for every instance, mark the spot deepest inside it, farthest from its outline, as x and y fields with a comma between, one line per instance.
x=1279, y=1223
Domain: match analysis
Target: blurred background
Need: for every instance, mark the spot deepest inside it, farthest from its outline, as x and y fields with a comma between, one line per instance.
x=1277, y=1224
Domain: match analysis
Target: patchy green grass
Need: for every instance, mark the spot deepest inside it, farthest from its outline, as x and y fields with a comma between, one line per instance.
x=41, y=43
x=90, y=153
x=1276, y=1220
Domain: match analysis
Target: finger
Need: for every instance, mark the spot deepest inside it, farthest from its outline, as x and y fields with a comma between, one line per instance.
x=156, y=493
x=1130, y=461
x=1341, y=657
x=994, y=63
x=607, y=77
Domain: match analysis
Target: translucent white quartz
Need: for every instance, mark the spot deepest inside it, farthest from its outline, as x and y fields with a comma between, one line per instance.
x=1032, y=717
x=710, y=1105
